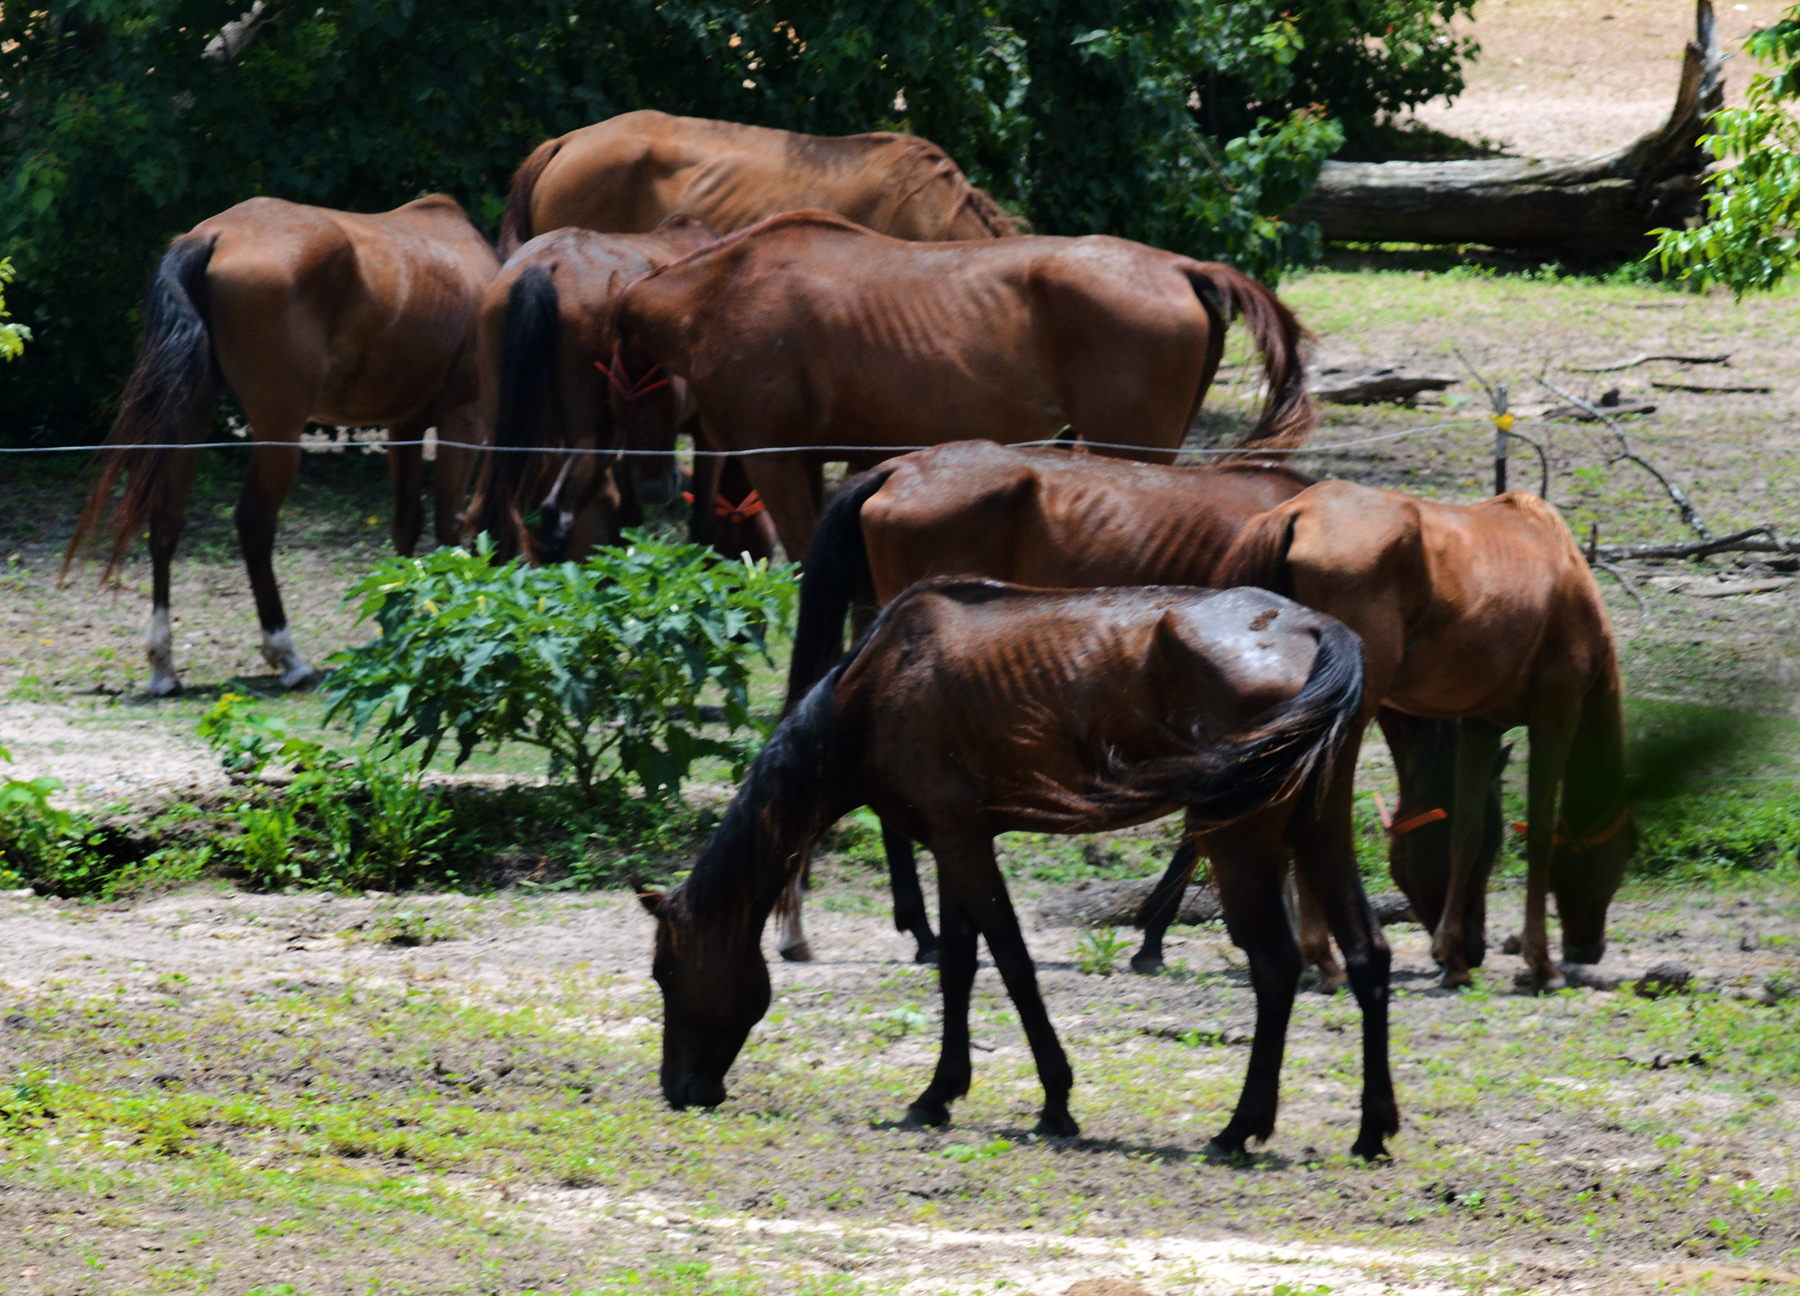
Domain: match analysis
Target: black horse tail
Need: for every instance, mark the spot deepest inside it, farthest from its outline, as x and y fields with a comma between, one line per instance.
x=1294, y=743
x=527, y=369
x=836, y=565
x=175, y=374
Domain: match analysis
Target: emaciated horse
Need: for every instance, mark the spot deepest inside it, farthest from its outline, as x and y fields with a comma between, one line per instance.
x=1063, y=520
x=973, y=708
x=307, y=315
x=1485, y=613
x=809, y=331
x=546, y=358
x=629, y=173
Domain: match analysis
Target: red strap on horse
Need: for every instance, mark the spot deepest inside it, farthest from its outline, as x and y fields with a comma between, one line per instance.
x=1400, y=827
x=1590, y=839
x=742, y=511
x=616, y=375
x=1406, y=825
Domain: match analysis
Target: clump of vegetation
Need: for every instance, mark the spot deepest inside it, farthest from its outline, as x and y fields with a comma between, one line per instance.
x=405, y=928
x=1098, y=950
x=594, y=663
x=13, y=337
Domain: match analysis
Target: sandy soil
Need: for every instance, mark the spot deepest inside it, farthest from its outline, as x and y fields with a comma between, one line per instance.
x=1567, y=78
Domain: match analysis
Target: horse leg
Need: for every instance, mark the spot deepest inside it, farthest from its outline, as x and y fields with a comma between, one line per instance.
x=909, y=900
x=1325, y=864
x=969, y=868
x=784, y=482
x=166, y=518
x=1552, y=735
x=458, y=432
x=1315, y=937
x=274, y=463
x=703, y=518
x=1477, y=747
x=406, y=475
x=956, y=976
x=1163, y=905
x=1249, y=864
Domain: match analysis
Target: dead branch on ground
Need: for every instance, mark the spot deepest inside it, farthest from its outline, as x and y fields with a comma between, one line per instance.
x=1689, y=514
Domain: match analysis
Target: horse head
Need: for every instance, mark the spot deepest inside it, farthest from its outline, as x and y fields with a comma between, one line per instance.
x=715, y=987
x=1585, y=870
x=648, y=405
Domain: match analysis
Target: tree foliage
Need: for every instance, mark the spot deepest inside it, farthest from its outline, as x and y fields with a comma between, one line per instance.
x=1187, y=123
x=13, y=337
x=1748, y=239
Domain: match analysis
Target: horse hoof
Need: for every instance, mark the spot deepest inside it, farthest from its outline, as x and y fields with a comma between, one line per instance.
x=1456, y=979
x=801, y=953
x=927, y=955
x=1229, y=1142
x=1147, y=964
x=164, y=685
x=1057, y=1125
x=1371, y=1147
x=920, y=1117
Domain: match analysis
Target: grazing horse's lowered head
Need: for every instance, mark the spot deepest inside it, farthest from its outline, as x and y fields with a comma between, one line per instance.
x=713, y=993
x=649, y=405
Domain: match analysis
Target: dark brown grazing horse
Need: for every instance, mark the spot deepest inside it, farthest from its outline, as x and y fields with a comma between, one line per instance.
x=307, y=315
x=1062, y=519
x=545, y=352
x=973, y=708
x=809, y=331
x=629, y=173
x=1485, y=613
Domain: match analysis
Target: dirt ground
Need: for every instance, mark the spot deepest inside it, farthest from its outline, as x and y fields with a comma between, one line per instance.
x=1562, y=78
x=1570, y=1143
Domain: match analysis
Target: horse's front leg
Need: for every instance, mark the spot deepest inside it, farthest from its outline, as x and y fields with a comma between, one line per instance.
x=406, y=458
x=1477, y=747
x=1550, y=741
x=785, y=483
x=970, y=869
x=956, y=976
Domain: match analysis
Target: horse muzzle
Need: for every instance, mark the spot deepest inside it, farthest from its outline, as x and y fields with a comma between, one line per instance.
x=690, y=1090
x=658, y=489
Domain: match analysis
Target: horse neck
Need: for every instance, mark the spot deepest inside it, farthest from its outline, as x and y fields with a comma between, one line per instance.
x=1594, y=781
x=798, y=786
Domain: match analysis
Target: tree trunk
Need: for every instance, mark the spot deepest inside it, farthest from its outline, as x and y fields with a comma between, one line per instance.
x=1600, y=205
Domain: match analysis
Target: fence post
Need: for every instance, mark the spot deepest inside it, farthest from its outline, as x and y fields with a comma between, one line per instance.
x=1502, y=425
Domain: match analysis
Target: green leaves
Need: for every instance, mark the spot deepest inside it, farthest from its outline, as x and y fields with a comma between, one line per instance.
x=13, y=337
x=1748, y=239
x=607, y=659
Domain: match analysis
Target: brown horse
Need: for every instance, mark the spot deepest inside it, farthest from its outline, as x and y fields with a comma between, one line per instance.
x=545, y=350
x=307, y=315
x=809, y=331
x=973, y=708
x=631, y=172
x=1066, y=520
x=1485, y=613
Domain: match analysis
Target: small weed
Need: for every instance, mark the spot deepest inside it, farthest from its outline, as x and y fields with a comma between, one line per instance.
x=900, y=1023
x=967, y=1152
x=1098, y=950
x=406, y=928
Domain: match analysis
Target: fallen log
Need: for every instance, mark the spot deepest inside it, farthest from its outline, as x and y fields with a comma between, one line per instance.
x=1372, y=386
x=1752, y=388
x=1601, y=205
x=1760, y=539
x=1637, y=360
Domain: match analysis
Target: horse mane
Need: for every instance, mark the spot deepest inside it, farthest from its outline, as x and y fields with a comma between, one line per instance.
x=778, y=811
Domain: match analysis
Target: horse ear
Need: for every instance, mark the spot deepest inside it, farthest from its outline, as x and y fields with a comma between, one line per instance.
x=652, y=902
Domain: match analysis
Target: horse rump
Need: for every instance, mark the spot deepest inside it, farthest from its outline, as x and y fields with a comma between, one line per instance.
x=175, y=373
x=515, y=221
x=1292, y=745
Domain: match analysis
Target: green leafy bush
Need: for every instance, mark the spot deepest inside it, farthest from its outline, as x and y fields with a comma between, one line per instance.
x=606, y=660
x=36, y=838
x=1748, y=240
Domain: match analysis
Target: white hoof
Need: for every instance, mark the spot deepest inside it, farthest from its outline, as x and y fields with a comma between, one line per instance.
x=160, y=649
x=163, y=682
x=278, y=650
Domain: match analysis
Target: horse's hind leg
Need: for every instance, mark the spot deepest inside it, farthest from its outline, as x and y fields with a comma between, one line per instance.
x=167, y=515
x=909, y=900
x=274, y=463
x=1163, y=905
x=458, y=432
x=1315, y=937
x=1250, y=868
x=1325, y=861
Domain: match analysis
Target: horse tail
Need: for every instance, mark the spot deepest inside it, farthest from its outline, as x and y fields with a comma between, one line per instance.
x=515, y=222
x=836, y=565
x=1288, y=414
x=527, y=363
x=1293, y=743
x=175, y=368
x=1259, y=555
